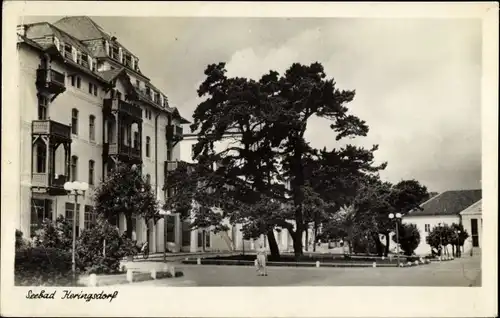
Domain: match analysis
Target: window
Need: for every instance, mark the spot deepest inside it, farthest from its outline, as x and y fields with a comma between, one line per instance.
x=91, y=171
x=148, y=178
x=169, y=153
x=40, y=210
x=148, y=91
x=170, y=228
x=92, y=127
x=91, y=88
x=70, y=208
x=157, y=98
x=42, y=107
x=41, y=158
x=427, y=228
x=148, y=146
x=74, y=168
x=137, y=83
x=78, y=82
x=73, y=80
x=207, y=238
x=84, y=59
x=136, y=139
x=127, y=60
x=89, y=217
x=95, y=90
x=74, y=121
x=68, y=51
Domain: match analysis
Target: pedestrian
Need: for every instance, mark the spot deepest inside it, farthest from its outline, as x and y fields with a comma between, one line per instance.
x=261, y=260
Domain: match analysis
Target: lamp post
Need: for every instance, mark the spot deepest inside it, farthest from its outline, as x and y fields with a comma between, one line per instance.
x=75, y=189
x=396, y=218
x=458, y=243
x=165, y=240
x=440, y=239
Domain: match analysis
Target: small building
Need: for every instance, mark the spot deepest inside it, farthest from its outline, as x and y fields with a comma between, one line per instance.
x=459, y=206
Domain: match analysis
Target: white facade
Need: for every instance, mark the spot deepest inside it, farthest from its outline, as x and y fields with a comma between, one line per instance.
x=425, y=224
x=472, y=217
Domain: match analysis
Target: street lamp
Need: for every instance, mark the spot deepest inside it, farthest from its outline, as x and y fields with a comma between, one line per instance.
x=165, y=240
x=458, y=243
x=76, y=189
x=396, y=218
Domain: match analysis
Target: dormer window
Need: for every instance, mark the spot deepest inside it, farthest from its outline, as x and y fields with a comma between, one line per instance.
x=127, y=60
x=148, y=91
x=115, y=52
x=68, y=51
x=79, y=57
x=157, y=98
x=84, y=59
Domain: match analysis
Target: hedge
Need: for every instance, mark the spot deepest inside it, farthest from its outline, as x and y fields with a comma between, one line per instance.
x=42, y=266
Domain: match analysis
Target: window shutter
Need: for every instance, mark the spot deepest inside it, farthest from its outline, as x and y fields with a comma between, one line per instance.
x=132, y=62
x=74, y=53
x=91, y=62
x=120, y=55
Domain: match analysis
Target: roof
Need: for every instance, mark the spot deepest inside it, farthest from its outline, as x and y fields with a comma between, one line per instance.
x=448, y=203
x=82, y=28
x=475, y=208
x=111, y=74
x=41, y=30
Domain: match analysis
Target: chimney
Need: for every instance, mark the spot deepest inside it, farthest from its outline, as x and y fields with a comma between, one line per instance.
x=21, y=30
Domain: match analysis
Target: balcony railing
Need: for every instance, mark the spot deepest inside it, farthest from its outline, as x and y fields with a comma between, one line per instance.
x=42, y=180
x=116, y=104
x=50, y=127
x=124, y=150
x=171, y=165
x=51, y=79
x=174, y=132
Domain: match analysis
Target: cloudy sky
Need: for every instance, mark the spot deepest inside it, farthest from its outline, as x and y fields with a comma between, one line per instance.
x=417, y=81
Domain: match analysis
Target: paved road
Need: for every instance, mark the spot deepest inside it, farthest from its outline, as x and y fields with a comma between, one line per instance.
x=465, y=271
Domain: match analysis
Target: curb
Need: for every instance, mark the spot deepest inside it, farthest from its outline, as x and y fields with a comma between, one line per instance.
x=317, y=264
x=131, y=276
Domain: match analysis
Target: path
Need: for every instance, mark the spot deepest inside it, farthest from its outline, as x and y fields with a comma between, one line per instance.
x=465, y=271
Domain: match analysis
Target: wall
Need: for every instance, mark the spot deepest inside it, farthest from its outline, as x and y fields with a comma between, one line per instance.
x=474, y=212
x=420, y=221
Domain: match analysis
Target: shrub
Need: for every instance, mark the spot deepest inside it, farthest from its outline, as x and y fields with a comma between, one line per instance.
x=42, y=266
x=409, y=238
x=101, y=248
x=58, y=234
x=441, y=235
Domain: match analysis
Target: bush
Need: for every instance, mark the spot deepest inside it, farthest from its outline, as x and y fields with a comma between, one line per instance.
x=409, y=238
x=58, y=234
x=101, y=248
x=42, y=266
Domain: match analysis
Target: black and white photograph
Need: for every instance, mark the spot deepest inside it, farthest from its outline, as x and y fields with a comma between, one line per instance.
x=247, y=151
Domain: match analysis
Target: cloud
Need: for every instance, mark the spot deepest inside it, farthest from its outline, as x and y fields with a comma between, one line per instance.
x=417, y=85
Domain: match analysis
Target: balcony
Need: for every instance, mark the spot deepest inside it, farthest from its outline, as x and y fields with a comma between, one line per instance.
x=123, y=151
x=122, y=107
x=43, y=183
x=52, y=128
x=174, y=133
x=50, y=80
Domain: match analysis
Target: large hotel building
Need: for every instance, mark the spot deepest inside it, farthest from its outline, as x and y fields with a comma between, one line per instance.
x=85, y=104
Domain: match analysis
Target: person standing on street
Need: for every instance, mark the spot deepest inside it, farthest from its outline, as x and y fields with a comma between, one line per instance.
x=261, y=260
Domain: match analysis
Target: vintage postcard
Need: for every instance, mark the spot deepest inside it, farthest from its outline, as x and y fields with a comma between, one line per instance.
x=321, y=159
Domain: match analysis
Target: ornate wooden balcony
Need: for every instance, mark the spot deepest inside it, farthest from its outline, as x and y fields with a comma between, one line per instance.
x=123, y=152
x=41, y=182
x=115, y=104
x=52, y=128
x=49, y=80
x=174, y=133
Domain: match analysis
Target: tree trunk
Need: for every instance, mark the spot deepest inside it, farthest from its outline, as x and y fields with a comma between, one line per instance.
x=128, y=219
x=297, y=242
x=315, y=233
x=378, y=244
x=387, y=242
x=273, y=245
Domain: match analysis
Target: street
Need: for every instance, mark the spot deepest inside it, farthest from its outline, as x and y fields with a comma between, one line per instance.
x=462, y=272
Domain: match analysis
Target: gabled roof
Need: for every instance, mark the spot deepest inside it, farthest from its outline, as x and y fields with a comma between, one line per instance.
x=475, y=208
x=448, y=203
x=38, y=31
x=82, y=28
